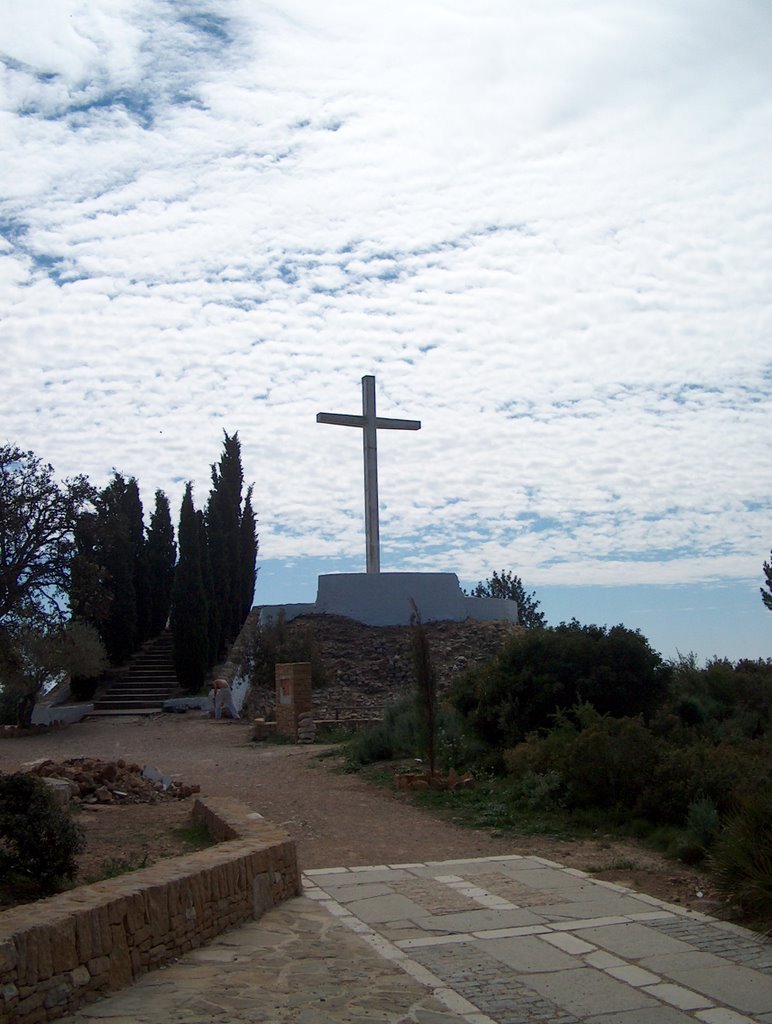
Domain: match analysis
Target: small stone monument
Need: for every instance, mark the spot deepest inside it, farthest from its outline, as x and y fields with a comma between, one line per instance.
x=293, y=697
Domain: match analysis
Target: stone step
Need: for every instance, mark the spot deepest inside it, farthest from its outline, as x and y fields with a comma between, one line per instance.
x=165, y=679
x=125, y=705
x=135, y=695
x=164, y=673
x=143, y=687
x=117, y=713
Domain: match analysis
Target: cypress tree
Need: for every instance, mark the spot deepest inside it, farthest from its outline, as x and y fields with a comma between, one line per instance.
x=223, y=516
x=115, y=551
x=212, y=609
x=247, y=556
x=140, y=568
x=161, y=559
x=189, y=601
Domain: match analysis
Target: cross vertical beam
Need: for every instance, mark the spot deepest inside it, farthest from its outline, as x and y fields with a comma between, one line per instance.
x=370, y=451
x=369, y=422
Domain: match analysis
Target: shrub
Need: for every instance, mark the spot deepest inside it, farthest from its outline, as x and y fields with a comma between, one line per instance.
x=540, y=672
x=722, y=702
x=38, y=839
x=742, y=856
x=540, y=791
x=399, y=736
x=703, y=821
x=607, y=763
x=396, y=736
x=611, y=762
x=685, y=774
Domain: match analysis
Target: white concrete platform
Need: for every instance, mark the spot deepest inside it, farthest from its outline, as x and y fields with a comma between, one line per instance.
x=388, y=599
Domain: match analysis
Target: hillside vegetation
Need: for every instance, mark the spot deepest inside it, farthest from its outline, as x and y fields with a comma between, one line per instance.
x=585, y=728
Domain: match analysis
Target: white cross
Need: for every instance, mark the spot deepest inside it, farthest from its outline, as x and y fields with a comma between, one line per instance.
x=370, y=423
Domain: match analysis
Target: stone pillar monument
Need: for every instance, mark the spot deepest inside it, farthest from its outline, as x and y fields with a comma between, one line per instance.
x=293, y=696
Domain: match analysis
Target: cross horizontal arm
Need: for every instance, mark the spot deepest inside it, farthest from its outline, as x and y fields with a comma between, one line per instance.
x=383, y=423
x=340, y=419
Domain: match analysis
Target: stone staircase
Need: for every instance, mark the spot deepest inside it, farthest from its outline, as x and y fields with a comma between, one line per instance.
x=143, y=687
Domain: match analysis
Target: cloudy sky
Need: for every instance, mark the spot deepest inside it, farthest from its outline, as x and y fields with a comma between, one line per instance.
x=545, y=228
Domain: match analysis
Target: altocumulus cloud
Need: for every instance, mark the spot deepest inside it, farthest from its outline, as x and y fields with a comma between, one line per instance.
x=545, y=228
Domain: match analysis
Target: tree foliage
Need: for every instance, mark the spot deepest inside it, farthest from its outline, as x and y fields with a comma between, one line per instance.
x=218, y=563
x=32, y=657
x=543, y=671
x=508, y=586
x=37, y=522
x=223, y=525
x=247, y=556
x=110, y=540
x=121, y=578
x=38, y=517
x=161, y=559
x=189, y=615
x=766, y=595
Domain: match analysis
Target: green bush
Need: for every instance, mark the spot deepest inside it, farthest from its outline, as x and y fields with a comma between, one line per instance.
x=741, y=860
x=723, y=702
x=395, y=737
x=399, y=736
x=611, y=762
x=606, y=763
x=704, y=822
x=540, y=791
x=684, y=774
x=38, y=839
x=541, y=672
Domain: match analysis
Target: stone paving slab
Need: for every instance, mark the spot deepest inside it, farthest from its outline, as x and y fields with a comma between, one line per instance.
x=479, y=941
x=550, y=945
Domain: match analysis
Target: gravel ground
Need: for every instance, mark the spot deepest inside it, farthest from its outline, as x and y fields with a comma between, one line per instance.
x=336, y=819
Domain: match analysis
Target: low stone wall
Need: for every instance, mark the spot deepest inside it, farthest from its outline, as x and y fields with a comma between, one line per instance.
x=70, y=949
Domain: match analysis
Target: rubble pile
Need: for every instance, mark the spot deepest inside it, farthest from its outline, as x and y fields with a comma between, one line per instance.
x=93, y=781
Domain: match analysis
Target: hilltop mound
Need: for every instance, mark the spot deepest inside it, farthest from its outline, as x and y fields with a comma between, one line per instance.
x=367, y=667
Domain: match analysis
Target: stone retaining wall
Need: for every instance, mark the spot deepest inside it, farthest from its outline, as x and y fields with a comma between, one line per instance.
x=70, y=949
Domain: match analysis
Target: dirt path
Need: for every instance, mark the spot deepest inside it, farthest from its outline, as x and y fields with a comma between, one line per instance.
x=336, y=819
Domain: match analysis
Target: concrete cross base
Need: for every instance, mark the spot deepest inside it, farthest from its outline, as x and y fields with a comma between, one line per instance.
x=385, y=599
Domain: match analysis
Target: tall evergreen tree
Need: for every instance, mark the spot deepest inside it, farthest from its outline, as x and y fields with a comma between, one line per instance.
x=115, y=548
x=141, y=571
x=223, y=517
x=213, y=620
x=161, y=559
x=766, y=595
x=110, y=574
x=247, y=555
x=189, y=601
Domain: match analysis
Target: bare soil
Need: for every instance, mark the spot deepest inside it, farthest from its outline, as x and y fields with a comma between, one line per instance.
x=335, y=818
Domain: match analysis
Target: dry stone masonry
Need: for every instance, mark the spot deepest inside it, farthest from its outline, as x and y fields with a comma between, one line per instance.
x=70, y=949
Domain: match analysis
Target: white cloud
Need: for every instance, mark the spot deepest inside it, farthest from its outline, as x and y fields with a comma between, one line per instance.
x=544, y=229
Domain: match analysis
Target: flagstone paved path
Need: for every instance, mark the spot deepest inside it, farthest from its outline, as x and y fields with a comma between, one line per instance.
x=510, y=939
